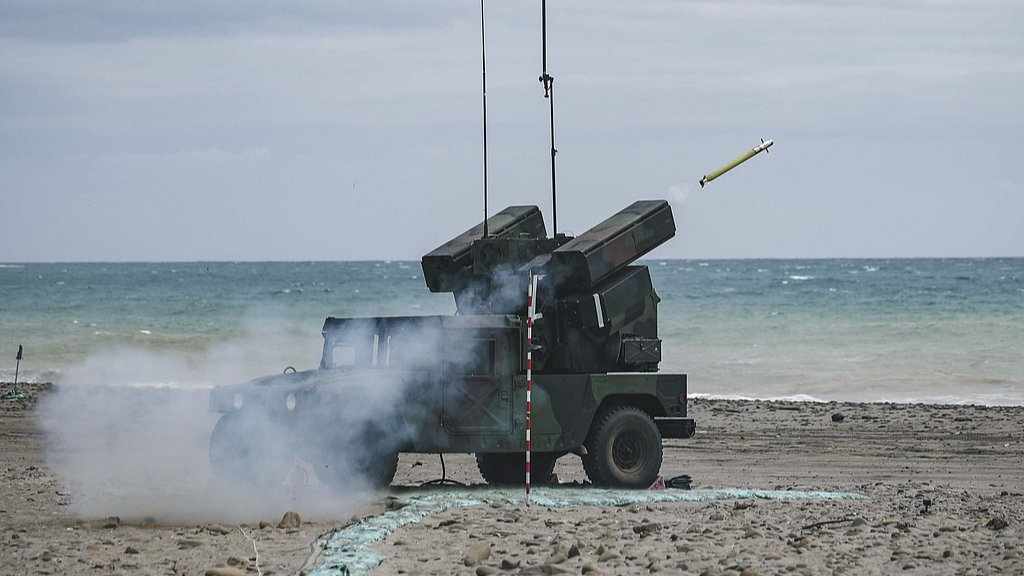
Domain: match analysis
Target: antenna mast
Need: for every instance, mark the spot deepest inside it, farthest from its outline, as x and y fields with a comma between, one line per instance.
x=549, y=92
x=483, y=62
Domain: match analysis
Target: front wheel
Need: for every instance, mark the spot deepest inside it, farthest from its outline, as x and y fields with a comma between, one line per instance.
x=623, y=449
x=346, y=471
x=367, y=460
x=243, y=453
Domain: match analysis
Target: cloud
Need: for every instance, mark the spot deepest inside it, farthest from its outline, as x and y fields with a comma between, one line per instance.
x=867, y=99
x=104, y=21
x=192, y=159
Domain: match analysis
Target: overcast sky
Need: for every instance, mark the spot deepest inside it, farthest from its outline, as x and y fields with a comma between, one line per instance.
x=330, y=130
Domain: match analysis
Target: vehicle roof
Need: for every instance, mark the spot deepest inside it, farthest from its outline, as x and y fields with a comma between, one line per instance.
x=453, y=322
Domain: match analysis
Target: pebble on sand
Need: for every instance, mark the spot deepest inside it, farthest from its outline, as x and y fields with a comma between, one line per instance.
x=801, y=543
x=477, y=553
x=543, y=570
x=217, y=529
x=997, y=524
x=608, y=555
x=558, y=559
x=646, y=528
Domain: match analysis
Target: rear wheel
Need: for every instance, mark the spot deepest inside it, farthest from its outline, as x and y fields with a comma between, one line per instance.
x=623, y=449
x=509, y=468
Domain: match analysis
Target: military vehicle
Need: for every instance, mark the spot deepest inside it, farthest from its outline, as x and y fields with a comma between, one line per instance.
x=457, y=384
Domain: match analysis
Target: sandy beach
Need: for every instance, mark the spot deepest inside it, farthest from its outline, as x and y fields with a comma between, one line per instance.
x=943, y=485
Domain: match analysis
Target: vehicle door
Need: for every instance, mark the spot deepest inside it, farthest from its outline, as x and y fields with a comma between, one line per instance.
x=477, y=388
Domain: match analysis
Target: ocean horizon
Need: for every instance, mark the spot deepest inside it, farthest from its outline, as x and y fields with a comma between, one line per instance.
x=941, y=330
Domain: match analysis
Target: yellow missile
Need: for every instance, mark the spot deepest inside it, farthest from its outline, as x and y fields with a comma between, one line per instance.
x=750, y=154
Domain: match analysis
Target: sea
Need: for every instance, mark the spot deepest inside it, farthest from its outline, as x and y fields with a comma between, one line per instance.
x=886, y=330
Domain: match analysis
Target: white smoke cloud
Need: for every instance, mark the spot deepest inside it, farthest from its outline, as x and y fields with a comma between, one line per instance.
x=677, y=194
x=129, y=432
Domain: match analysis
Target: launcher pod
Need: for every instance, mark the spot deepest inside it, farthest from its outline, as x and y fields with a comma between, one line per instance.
x=599, y=314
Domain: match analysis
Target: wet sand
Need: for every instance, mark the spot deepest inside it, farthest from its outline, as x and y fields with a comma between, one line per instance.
x=968, y=461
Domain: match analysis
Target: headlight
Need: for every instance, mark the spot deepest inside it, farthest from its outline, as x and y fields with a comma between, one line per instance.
x=289, y=402
x=237, y=401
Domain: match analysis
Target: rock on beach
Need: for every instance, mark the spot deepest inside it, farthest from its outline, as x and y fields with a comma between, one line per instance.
x=477, y=553
x=290, y=519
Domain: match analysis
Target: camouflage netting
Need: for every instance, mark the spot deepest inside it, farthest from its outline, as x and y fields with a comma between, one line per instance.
x=350, y=550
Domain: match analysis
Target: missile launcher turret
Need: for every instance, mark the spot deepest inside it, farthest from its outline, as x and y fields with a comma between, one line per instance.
x=598, y=313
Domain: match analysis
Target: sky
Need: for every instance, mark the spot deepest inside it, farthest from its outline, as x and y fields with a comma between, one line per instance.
x=343, y=130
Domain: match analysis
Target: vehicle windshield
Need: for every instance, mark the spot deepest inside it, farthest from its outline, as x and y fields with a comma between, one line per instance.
x=342, y=354
x=408, y=346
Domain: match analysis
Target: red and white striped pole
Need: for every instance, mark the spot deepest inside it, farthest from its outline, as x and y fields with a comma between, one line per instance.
x=531, y=308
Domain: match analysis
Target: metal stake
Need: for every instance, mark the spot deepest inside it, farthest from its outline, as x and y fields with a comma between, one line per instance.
x=531, y=308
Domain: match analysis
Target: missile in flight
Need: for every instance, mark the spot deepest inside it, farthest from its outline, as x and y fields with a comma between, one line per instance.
x=749, y=154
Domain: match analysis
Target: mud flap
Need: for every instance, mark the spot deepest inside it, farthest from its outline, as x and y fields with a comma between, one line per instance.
x=676, y=427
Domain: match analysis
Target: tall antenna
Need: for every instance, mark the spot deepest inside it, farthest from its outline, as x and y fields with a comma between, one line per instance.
x=549, y=92
x=483, y=63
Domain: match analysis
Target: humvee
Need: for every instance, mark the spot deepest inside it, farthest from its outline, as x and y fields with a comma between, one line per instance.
x=457, y=384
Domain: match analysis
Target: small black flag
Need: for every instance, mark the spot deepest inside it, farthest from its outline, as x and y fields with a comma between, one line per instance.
x=19, y=352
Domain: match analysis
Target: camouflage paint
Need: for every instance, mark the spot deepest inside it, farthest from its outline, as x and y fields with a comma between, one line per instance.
x=459, y=381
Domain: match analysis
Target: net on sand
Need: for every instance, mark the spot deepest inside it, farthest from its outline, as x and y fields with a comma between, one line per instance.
x=350, y=550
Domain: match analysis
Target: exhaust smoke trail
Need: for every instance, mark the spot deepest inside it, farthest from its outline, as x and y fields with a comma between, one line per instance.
x=129, y=432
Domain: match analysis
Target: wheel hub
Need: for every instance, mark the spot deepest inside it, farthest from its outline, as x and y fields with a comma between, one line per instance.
x=628, y=452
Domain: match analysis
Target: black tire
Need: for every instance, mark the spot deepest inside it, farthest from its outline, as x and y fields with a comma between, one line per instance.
x=623, y=449
x=242, y=454
x=343, y=474
x=369, y=459
x=509, y=468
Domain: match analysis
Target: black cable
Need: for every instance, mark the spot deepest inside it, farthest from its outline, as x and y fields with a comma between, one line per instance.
x=443, y=481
